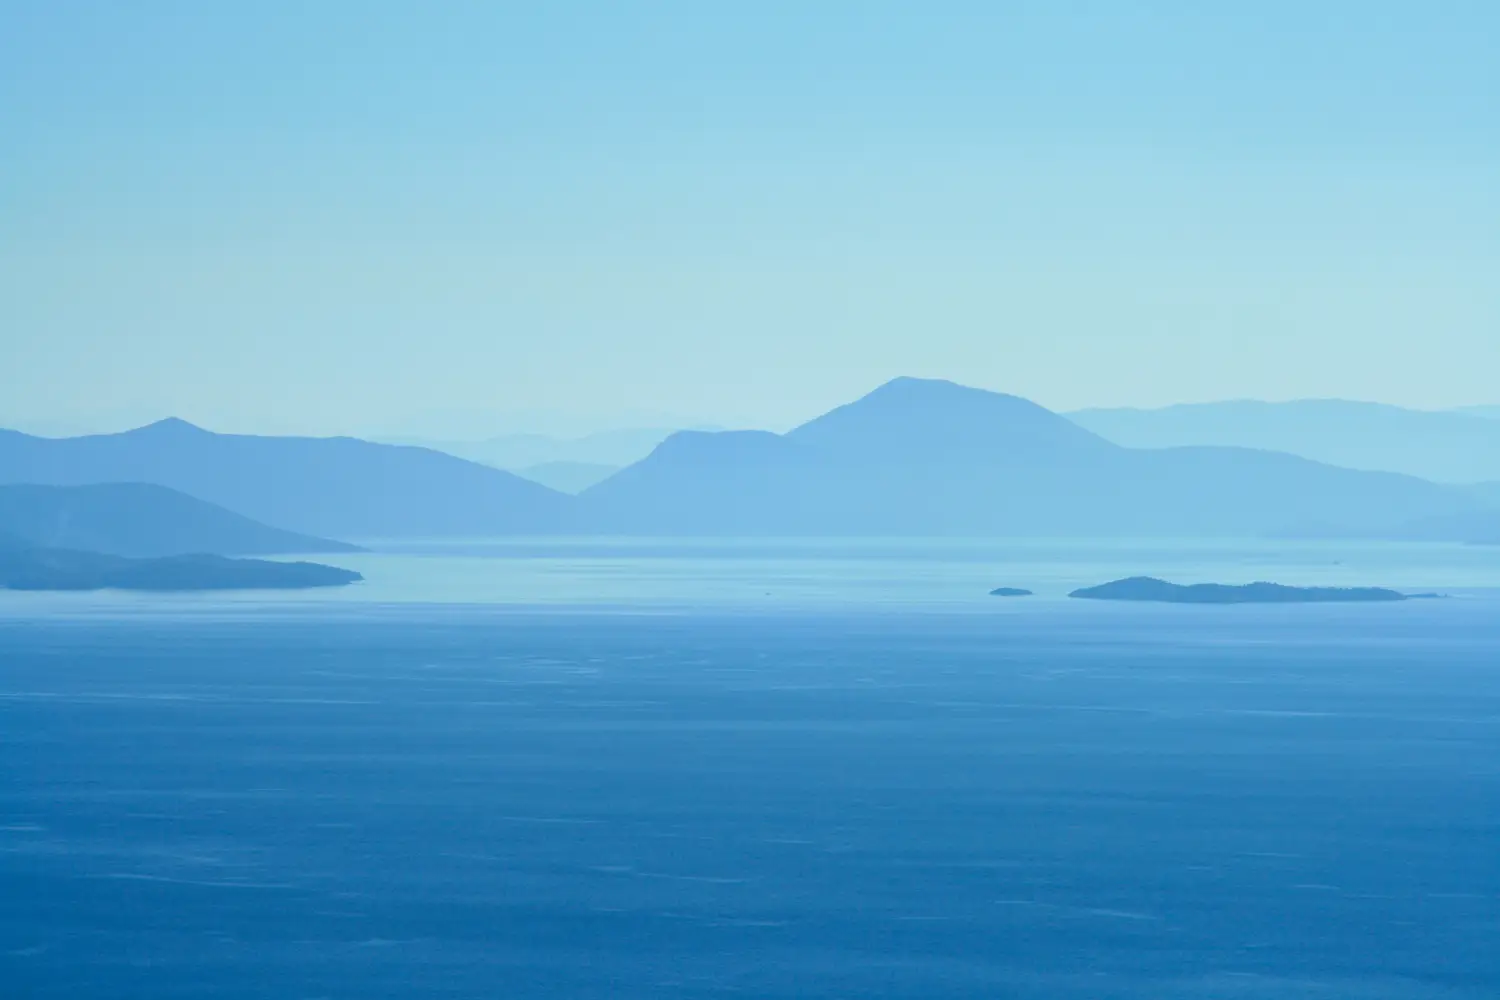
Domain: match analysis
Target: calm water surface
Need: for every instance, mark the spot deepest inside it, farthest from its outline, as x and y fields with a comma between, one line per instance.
x=860, y=788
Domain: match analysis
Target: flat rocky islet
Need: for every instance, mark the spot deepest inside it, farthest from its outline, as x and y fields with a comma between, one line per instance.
x=1010, y=592
x=1145, y=588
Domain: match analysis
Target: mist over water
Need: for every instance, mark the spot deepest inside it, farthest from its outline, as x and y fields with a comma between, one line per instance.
x=798, y=574
x=871, y=783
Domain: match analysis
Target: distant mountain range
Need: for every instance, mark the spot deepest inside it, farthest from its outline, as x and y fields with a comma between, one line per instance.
x=915, y=457
x=1447, y=446
x=140, y=520
x=334, y=487
x=568, y=477
x=566, y=464
x=518, y=452
x=931, y=457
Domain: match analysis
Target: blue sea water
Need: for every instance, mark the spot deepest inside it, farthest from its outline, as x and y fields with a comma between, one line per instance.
x=539, y=771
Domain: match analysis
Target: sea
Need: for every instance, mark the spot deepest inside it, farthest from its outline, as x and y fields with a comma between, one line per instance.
x=562, y=768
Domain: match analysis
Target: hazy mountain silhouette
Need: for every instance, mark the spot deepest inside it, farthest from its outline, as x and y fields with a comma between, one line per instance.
x=931, y=457
x=568, y=477
x=518, y=452
x=914, y=457
x=1451, y=446
x=931, y=420
x=140, y=519
x=338, y=487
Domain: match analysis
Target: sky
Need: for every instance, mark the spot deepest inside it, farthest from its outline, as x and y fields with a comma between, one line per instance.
x=457, y=219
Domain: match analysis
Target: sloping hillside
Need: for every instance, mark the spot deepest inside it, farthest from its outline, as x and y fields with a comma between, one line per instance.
x=338, y=487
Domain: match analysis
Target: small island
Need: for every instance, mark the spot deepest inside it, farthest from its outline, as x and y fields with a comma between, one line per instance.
x=30, y=567
x=1009, y=592
x=1145, y=588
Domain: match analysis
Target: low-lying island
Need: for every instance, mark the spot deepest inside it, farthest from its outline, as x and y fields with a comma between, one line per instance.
x=31, y=567
x=1146, y=588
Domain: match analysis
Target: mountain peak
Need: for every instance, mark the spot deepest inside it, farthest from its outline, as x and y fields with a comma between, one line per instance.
x=932, y=386
x=940, y=395
x=169, y=425
x=922, y=415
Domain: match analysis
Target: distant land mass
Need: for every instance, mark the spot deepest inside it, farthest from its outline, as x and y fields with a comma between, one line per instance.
x=1010, y=592
x=1444, y=446
x=30, y=567
x=927, y=457
x=516, y=452
x=914, y=458
x=141, y=520
x=331, y=487
x=568, y=477
x=1146, y=588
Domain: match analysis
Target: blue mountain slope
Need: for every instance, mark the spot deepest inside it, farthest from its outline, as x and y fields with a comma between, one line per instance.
x=922, y=457
x=339, y=487
x=140, y=520
x=567, y=477
x=1454, y=447
x=931, y=420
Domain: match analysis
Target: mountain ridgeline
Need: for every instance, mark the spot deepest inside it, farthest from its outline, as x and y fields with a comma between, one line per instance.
x=141, y=520
x=922, y=457
x=915, y=458
x=335, y=487
x=1448, y=447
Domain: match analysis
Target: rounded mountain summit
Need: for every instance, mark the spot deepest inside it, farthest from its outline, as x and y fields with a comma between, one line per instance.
x=921, y=457
x=913, y=458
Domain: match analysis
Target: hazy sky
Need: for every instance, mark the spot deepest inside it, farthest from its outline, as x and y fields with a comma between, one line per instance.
x=362, y=216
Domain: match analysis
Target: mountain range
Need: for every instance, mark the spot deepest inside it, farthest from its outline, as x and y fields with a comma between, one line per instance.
x=567, y=477
x=931, y=457
x=141, y=520
x=335, y=487
x=914, y=457
x=566, y=464
x=1444, y=446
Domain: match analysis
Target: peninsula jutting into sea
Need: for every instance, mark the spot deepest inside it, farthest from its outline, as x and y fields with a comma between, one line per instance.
x=32, y=567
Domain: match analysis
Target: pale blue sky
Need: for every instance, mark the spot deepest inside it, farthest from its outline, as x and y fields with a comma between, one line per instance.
x=360, y=216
